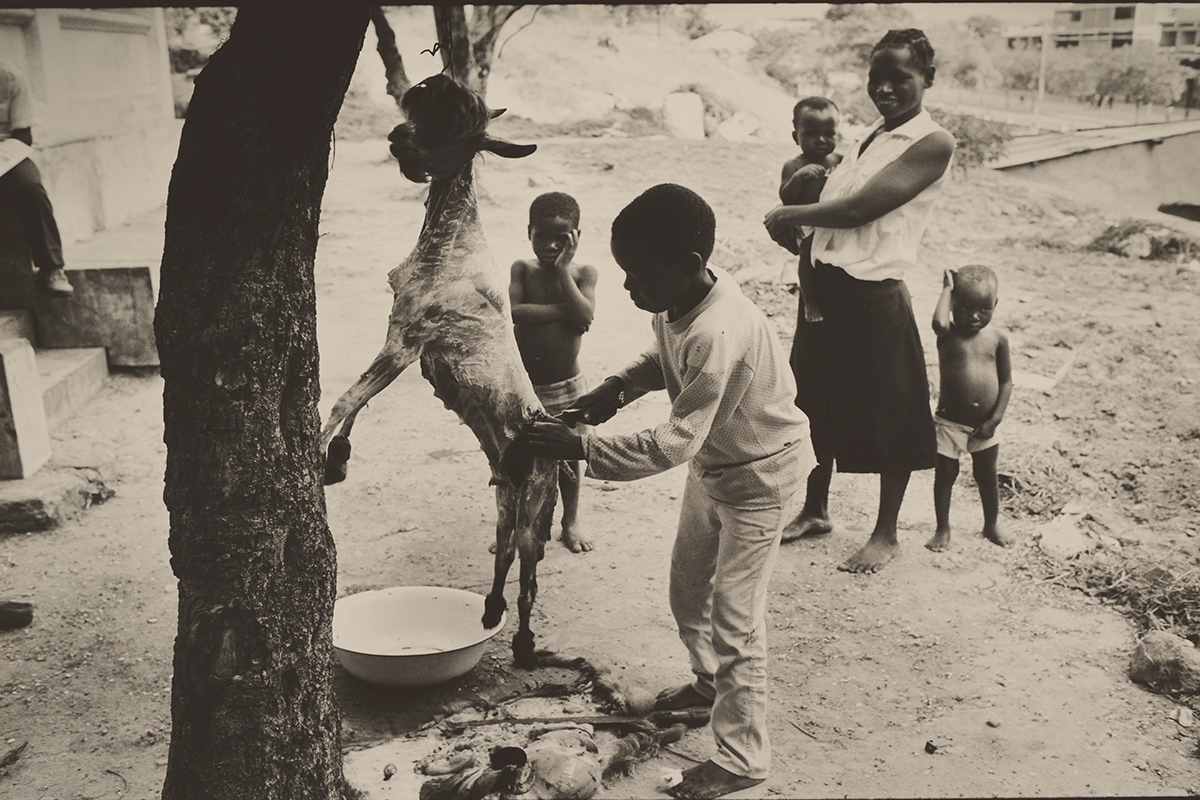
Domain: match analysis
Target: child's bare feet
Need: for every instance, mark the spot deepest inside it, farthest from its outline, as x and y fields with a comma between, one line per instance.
x=806, y=525
x=997, y=535
x=707, y=780
x=940, y=540
x=574, y=541
x=873, y=556
x=686, y=696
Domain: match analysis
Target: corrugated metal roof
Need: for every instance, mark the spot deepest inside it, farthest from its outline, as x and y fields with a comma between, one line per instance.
x=1046, y=146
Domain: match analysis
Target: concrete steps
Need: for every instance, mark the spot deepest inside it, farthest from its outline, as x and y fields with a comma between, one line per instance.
x=69, y=377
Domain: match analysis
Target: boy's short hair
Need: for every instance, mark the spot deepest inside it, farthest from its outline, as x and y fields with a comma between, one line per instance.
x=554, y=204
x=666, y=221
x=976, y=275
x=815, y=103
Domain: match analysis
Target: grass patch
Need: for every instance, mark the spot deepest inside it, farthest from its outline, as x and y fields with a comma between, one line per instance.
x=1158, y=591
x=1034, y=481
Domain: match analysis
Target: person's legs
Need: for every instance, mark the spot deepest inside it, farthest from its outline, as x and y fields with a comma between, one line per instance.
x=693, y=563
x=884, y=544
x=24, y=183
x=813, y=519
x=983, y=464
x=749, y=544
x=570, y=475
x=946, y=472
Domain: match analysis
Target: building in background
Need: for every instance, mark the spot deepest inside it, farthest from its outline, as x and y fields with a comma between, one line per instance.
x=1104, y=26
x=105, y=134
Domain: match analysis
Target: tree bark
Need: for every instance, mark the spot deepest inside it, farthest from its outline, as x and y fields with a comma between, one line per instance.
x=468, y=51
x=253, y=714
x=393, y=64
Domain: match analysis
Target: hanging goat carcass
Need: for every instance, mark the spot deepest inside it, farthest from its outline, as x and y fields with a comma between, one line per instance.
x=450, y=312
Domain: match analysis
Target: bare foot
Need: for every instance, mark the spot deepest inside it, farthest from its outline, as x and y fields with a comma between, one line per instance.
x=997, y=535
x=707, y=780
x=940, y=540
x=873, y=556
x=806, y=525
x=686, y=696
x=575, y=542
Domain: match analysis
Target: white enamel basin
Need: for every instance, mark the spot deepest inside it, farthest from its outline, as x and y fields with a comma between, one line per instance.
x=410, y=636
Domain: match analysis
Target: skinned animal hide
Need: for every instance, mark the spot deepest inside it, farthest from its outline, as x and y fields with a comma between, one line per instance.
x=450, y=312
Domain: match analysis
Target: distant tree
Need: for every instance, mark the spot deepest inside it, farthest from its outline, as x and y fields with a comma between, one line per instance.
x=193, y=34
x=468, y=47
x=983, y=26
x=1019, y=69
x=962, y=58
x=852, y=29
x=393, y=64
x=1138, y=75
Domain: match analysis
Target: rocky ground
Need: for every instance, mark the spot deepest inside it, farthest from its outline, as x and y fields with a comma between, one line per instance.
x=1018, y=684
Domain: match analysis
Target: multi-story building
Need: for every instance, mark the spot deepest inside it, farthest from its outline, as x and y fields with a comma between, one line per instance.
x=1181, y=33
x=1108, y=25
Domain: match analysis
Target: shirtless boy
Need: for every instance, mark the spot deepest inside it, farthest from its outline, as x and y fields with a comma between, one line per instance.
x=553, y=300
x=814, y=124
x=976, y=382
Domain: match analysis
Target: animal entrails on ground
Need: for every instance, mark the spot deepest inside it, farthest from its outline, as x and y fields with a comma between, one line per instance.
x=450, y=312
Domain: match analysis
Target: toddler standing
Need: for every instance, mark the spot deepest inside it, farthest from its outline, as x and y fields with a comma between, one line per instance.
x=976, y=382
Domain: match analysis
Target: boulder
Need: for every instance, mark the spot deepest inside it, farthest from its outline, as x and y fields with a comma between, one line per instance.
x=738, y=128
x=1062, y=537
x=683, y=113
x=1166, y=663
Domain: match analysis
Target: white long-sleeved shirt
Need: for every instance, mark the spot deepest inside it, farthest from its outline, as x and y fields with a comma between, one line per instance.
x=886, y=247
x=733, y=411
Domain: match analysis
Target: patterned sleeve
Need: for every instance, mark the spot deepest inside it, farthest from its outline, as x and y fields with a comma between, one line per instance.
x=649, y=452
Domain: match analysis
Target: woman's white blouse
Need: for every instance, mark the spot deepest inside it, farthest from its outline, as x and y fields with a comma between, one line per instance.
x=886, y=247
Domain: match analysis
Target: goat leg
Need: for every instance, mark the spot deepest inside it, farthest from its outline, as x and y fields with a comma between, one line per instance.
x=506, y=518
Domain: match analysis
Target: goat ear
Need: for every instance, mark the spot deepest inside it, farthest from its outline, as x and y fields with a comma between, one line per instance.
x=504, y=148
x=495, y=112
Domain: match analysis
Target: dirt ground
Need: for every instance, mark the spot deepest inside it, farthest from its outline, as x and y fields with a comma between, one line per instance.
x=1019, y=683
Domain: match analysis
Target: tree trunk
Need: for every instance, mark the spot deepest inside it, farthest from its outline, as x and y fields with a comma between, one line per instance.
x=469, y=51
x=393, y=65
x=253, y=714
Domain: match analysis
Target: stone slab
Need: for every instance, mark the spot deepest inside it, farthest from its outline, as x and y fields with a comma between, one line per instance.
x=113, y=308
x=69, y=377
x=24, y=435
x=48, y=499
x=17, y=323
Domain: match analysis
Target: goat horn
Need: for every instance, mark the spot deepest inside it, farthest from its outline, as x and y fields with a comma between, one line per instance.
x=505, y=148
x=495, y=112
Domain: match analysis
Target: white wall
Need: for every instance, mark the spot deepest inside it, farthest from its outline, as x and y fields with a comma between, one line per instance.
x=106, y=133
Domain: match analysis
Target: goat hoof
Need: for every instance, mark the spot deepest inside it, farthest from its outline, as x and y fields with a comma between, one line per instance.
x=523, y=653
x=493, y=610
x=336, y=459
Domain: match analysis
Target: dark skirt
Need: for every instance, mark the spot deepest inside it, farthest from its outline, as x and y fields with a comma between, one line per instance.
x=860, y=376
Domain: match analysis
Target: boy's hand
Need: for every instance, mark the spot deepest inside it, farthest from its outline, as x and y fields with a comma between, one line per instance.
x=781, y=228
x=812, y=172
x=554, y=440
x=986, y=430
x=598, y=405
x=812, y=312
x=948, y=279
x=564, y=258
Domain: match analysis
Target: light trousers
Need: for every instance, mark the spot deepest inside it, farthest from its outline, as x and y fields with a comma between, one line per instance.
x=720, y=567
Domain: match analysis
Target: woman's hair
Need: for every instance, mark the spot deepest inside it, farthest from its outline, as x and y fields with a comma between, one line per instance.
x=665, y=222
x=554, y=204
x=912, y=38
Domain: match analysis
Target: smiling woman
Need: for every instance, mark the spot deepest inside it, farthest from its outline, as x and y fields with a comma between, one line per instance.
x=861, y=370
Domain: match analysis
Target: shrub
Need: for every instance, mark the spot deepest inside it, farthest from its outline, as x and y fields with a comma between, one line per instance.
x=979, y=140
